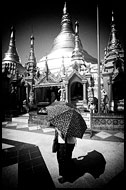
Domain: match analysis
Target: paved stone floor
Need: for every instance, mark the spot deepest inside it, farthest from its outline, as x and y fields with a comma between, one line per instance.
x=27, y=160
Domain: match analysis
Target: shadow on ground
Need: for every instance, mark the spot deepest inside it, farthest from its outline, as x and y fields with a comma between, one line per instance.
x=93, y=163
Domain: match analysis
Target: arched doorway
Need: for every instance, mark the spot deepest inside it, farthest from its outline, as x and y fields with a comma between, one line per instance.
x=76, y=91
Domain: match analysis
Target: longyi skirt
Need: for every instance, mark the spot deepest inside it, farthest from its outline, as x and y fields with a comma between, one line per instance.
x=64, y=158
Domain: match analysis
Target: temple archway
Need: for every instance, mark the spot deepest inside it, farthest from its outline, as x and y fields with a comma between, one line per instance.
x=76, y=91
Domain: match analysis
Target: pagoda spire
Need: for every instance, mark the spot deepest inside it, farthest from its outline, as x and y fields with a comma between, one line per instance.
x=113, y=43
x=78, y=49
x=77, y=54
x=77, y=40
x=113, y=58
x=31, y=64
x=32, y=54
x=65, y=39
x=12, y=37
x=76, y=28
x=65, y=9
x=11, y=54
x=11, y=59
x=66, y=23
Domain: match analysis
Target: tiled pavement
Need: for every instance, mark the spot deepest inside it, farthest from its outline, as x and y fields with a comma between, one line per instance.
x=27, y=160
x=24, y=167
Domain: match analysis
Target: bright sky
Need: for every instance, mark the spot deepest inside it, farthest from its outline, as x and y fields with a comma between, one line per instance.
x=45, y=19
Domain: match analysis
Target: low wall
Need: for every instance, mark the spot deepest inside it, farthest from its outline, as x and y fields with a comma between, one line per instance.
x=107, y=122
x=98, y=122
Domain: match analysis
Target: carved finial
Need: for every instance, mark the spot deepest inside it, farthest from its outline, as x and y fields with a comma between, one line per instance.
x=32, y=37
x=76, y=27
x=64, y=9
x=12, y=40
x=12, y=36
x=112, y=16
x=12, y=32
x=32, y=40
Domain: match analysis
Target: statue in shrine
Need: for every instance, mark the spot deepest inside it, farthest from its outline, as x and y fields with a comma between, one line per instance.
x=91, y=97
x=62, y=93
x=25, y=106
x=53, y=96
x=104, y=101
x=31, y=98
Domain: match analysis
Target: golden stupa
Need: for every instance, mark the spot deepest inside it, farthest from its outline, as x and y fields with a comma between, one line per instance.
x=63, y=46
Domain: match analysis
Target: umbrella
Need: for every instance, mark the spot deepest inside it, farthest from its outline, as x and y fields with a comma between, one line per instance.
x=57, y=108
x=70, y=123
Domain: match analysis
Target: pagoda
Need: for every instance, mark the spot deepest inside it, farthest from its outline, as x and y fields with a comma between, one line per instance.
x=30, y=72
x=13, y=90
x=113, y=69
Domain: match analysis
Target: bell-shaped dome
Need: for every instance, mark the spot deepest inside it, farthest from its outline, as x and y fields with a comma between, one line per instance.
x=64, y=47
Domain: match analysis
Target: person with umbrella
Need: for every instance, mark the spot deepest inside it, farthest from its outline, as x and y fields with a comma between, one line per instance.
x=69, y=125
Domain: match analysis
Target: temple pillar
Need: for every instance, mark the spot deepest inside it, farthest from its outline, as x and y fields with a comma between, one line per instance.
x=66, y=89
x=84, y=92
x=111, y=102
x=27, y=95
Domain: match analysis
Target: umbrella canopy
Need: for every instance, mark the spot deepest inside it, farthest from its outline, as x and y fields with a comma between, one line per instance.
x=57, y=108
x=70, y=123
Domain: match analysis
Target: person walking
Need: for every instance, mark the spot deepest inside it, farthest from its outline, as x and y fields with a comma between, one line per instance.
x=64, y=155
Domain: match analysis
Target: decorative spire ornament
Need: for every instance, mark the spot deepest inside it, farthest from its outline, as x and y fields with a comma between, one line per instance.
x=76, y=28
x=65, y=9
x=65, y=39
x=78, y=49
x=66, y=20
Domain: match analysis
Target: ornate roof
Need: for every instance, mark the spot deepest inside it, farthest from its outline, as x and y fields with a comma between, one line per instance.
x=45, y=81
x=73, y=73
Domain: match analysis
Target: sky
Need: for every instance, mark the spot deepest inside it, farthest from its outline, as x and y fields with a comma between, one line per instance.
x=43, y=19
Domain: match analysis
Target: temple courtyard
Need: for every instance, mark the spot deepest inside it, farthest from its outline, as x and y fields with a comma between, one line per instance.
x=28, y=162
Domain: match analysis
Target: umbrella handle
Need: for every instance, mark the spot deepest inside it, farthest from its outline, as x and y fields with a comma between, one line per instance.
x=56, y=134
